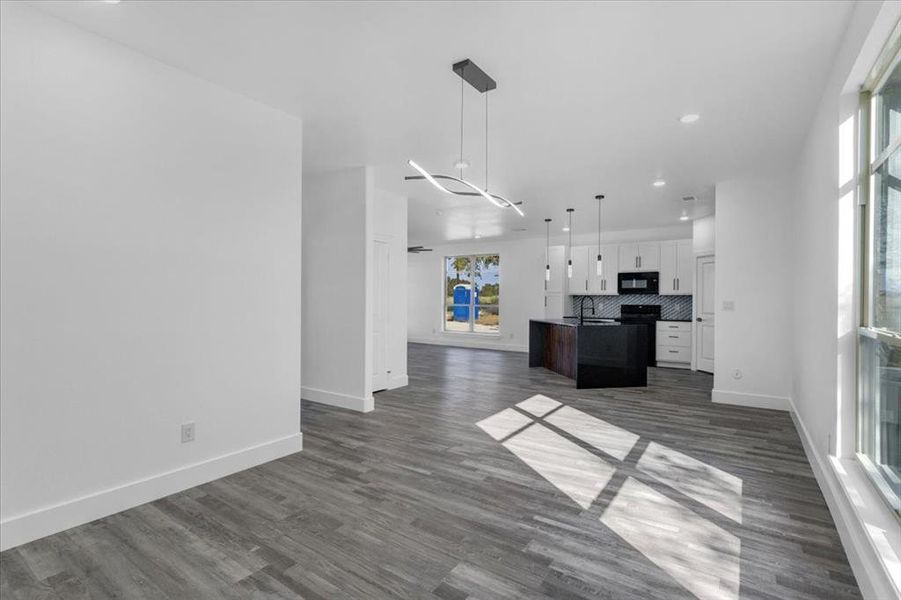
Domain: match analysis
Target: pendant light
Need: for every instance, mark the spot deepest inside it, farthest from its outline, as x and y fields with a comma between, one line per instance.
x=477, y=78
x=569, y=263
x=547, y=251
x=600, y=263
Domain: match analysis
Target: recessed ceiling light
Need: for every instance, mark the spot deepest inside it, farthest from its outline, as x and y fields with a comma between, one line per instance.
x=689, y=118
x=566, y=229
x=659, y=183
x=112, y=1
x=683, y=218
x=477, y=236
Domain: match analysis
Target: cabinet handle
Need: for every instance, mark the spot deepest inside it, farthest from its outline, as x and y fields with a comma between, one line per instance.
x=677, y=283
x=673, y=337
x=673, y=351
x=545, y=301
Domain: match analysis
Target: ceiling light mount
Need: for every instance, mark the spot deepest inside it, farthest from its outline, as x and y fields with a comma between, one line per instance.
x=689, y=118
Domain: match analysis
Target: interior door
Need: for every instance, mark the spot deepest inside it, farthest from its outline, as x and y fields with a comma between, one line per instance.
x=380, y=283
x=704, y=319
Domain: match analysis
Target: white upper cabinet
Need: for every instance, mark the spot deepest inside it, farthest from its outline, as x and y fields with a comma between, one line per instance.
x=578, y=283
x=685, y=268
x=675, y=268
x=639, y=257
x=606, y=282
x=557, y=261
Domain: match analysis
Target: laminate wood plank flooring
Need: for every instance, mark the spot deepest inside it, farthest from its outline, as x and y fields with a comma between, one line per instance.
x=481, y=479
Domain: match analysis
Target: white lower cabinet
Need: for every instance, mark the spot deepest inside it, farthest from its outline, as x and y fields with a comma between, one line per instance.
x=674, y=344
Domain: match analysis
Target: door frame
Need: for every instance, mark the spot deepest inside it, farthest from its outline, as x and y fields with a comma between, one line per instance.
x=385, y=240
x=695, y=301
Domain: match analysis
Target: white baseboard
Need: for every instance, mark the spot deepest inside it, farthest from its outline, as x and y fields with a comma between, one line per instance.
x=460, y=341
x=358, y=403
x=874, y=580
x=398, y=381
x=751, y=400
x=20, y=529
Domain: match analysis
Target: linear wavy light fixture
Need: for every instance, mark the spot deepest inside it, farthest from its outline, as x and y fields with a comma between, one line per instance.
x=477, y=78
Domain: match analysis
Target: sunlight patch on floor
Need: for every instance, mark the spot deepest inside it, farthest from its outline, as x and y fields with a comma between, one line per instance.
x=604, y=436
x=573, y=470
x=701, y=556
x=710, y=486
x=504, y=423
x=538, y=405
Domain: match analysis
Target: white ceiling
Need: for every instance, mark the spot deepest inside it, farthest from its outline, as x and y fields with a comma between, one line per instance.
x=588, y=96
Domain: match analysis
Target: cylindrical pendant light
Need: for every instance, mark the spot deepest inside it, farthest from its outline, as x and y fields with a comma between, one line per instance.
x=600, y=263
x=547, y=251
x=569, y=263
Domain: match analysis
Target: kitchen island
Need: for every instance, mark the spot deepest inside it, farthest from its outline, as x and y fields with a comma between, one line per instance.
x=595, y=354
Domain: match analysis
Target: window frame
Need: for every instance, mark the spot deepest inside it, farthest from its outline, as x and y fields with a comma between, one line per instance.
x=888, y=60
x=471, y=306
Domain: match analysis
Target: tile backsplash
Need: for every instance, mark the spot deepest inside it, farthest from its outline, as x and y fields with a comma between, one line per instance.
x=671, y=307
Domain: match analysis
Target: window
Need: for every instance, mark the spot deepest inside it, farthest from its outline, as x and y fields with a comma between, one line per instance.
x=472, y=293
x=879, y=334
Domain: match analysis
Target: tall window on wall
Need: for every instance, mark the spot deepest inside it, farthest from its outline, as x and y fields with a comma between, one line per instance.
x=472, y=292
x=879, y=335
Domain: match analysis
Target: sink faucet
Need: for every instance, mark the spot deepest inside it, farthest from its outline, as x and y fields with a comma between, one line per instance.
x=582, y=308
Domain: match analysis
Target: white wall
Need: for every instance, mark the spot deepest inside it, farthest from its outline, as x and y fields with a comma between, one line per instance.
x=389, y=218
x=149, y=276
x=337, y=233
x=753, y=258
x=521, y=296
x=824, y=315
x=703, y=235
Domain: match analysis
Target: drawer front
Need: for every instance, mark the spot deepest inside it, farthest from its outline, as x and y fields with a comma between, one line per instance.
x=674, y=338
x=673, y=326
x=673, y=354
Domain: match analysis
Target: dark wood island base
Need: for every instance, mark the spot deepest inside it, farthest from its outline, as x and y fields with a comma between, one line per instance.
x=596, y=355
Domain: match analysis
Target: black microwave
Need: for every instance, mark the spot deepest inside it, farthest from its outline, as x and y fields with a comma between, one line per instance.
x=639, y=283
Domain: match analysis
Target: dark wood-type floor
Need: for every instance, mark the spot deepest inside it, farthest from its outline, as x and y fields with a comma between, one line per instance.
x=414, y=500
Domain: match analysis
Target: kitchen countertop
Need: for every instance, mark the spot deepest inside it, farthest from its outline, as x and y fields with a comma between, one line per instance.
x=575, y=323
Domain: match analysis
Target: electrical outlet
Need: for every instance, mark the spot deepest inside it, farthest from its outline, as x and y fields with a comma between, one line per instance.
x=187, y=432
x=728, y=305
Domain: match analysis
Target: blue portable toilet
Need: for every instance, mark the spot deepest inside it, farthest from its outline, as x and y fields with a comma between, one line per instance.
x=461, y=302
x=461, y=297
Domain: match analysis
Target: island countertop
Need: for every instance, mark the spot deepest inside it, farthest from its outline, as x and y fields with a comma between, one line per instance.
x=574, y=322
x=595, y=354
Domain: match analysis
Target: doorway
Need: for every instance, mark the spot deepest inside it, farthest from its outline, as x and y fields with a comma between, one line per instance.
x=705, y=276
x=380, y=283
